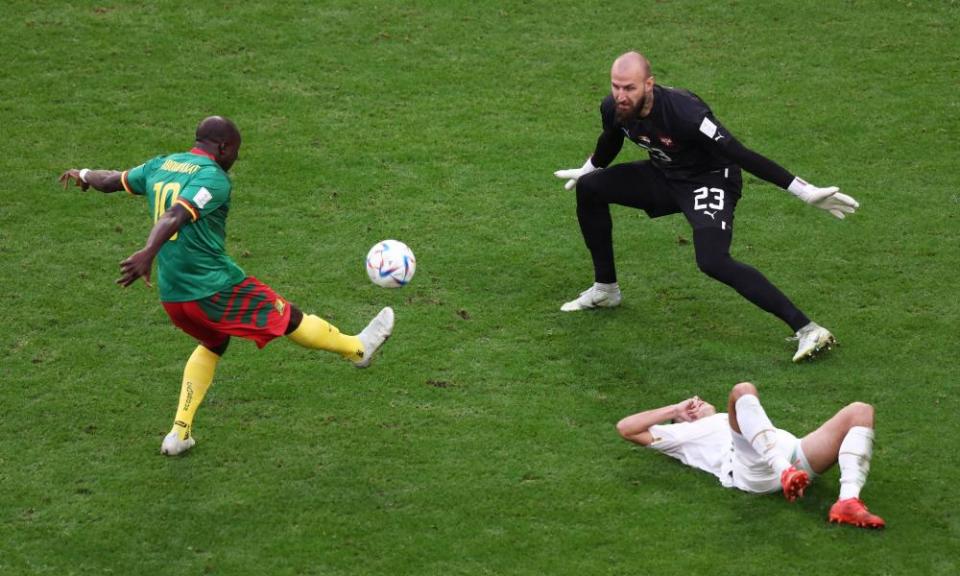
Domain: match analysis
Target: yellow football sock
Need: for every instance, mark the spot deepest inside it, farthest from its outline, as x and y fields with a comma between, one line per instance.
x=197, y=378
x=316, y=333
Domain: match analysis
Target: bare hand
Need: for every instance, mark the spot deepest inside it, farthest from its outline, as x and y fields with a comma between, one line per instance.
x=73, y=174
x=138, y=265
x=689, y=409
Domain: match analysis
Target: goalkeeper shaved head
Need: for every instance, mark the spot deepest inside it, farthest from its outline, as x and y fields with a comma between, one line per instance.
x=632, y=62
x=631, y=86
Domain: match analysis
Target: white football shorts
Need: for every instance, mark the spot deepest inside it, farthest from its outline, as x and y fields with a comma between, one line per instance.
x=751, y=473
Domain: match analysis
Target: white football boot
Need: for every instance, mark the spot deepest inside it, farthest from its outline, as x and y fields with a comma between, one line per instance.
x=173, y=445
x=812, y=340
x=374, y=335
x=596, y=296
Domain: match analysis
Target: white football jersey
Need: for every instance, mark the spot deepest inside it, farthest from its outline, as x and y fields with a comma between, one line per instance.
x=706, y=444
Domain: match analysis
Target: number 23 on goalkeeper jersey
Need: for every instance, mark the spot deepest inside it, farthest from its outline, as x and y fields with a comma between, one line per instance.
x=193, y=263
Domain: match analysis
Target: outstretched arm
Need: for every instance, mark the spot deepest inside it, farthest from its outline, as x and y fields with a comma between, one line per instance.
x=103, y=180
x=636, y=428
x=829, y=199
x=754, y=163
x=140, y=262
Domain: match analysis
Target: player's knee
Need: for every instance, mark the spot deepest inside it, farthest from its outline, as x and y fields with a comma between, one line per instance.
x=861, y=414
x=709, y=262
x=587, y=189
x=218, y=349
x=712, y=265
x=742, y=389
x=623, y=429
x=296, y=317
x=711, y=246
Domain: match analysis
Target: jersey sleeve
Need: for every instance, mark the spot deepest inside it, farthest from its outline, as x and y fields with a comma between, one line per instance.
x=667, y=438
x=713, y=135
x=134, y=180
x=204, y=194
x=686, y=440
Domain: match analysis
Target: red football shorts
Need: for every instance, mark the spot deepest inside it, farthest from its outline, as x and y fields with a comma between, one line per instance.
x=249, y=310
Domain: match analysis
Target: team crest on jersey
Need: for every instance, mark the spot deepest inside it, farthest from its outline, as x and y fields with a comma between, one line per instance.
x=279, y=304
x=666, y=140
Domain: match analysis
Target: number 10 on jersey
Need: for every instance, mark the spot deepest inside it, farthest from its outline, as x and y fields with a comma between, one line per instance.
x=164, y=195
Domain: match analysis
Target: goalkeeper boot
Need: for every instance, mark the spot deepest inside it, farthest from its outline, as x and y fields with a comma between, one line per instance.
x=812, y=340
x=173, y=445
x=794, y=482
x=374, y=335
x=854, y=512
x=597, y=296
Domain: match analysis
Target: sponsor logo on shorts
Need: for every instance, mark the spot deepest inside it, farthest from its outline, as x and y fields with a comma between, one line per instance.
x=666, y=140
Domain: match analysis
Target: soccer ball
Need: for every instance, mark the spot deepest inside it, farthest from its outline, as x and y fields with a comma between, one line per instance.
x=391, y=264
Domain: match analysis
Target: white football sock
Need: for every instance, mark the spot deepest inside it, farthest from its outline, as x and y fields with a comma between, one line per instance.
x=759, y=431
x=606, y=287
x=854, y=460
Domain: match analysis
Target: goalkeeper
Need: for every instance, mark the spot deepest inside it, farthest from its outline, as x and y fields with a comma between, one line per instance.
x=695, y=168
x=203, y=291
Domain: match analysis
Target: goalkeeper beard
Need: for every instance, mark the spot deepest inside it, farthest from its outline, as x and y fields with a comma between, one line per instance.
x=627, y=115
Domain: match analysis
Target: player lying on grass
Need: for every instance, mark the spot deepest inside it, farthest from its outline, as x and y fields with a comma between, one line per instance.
x=744, y=450
x=694, y=168
x=203, y=291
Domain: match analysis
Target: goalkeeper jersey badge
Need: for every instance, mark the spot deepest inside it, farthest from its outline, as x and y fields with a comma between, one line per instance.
x=279, y=304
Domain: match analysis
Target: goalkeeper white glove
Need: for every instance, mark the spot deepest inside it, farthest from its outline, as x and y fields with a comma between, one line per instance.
x=574, y=174
x=829, y=199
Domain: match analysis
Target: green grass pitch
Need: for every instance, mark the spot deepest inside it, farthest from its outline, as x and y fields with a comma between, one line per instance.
x=482, y=441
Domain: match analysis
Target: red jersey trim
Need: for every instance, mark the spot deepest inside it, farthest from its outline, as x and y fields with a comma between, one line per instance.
x=126, y=185
x=186, y=204
x=202, y=152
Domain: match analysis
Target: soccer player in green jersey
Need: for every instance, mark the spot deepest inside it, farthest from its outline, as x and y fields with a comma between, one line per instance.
x=202, y=289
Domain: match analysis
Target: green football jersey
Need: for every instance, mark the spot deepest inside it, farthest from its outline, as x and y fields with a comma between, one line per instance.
x=193, y=263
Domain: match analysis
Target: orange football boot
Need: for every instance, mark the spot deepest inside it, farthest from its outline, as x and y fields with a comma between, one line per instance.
x=794, y=482
x=854, y=512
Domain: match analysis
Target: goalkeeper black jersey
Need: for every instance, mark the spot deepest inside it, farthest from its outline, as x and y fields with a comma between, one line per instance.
x=683, y=137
